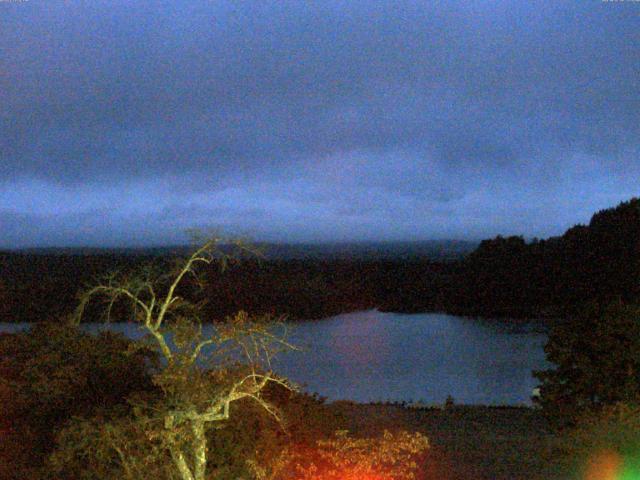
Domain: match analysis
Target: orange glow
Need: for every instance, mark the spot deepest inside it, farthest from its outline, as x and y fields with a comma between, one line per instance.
x=604, y=465
x=347, y=475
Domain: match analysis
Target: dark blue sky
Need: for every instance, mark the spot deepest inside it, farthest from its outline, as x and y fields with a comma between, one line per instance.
x=126, y=122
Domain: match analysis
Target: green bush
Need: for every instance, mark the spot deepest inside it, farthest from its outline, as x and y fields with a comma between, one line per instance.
x=597, y=363
x=54, y=372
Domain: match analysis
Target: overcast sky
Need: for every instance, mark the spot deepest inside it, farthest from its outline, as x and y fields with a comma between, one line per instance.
x=126, y=122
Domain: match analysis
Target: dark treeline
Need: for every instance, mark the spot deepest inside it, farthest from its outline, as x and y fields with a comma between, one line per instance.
x=43, y=286
x=306, y=289
x=503, y=277
x=38, y=287
x=598, y=262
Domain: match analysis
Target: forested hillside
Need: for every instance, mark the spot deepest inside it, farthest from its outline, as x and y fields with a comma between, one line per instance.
x=507, y=277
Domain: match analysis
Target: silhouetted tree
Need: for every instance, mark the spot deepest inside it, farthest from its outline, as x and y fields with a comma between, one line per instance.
x=597, y=362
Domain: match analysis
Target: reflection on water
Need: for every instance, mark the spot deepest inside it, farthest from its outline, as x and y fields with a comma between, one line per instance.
x=372, y=356
x=369, y=356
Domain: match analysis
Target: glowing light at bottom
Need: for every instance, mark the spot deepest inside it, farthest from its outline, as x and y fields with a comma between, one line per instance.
x=610, y=465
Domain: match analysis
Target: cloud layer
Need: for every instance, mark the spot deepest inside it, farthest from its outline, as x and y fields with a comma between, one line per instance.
x=125, y=122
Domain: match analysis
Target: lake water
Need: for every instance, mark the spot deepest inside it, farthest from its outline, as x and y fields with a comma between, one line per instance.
x=373, y=356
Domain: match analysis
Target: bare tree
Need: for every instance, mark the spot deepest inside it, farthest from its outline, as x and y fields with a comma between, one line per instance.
x=200, y=374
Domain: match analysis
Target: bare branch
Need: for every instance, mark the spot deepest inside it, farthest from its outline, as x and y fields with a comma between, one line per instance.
x=112, y=293
x=199, y=255
x=195, y=396
x=198, y=348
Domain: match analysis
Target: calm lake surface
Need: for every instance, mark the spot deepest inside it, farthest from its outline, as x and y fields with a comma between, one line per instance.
x=373, y=356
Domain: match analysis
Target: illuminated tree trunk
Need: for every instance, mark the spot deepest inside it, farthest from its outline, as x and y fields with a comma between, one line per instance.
x=153, y=311
x=200, y=450
x=198, y=446
x=181, y=464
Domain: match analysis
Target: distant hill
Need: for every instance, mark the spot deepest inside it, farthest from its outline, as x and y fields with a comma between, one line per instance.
x=113, y=251
x=437, y=250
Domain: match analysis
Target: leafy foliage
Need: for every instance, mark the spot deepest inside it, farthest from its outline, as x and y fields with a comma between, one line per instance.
x=128, y=443
x=119, y=445
x=392, y=455
x=55, y=372
x=597, y=358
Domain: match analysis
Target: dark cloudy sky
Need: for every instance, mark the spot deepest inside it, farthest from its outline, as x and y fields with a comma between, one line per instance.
x=126, y=122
